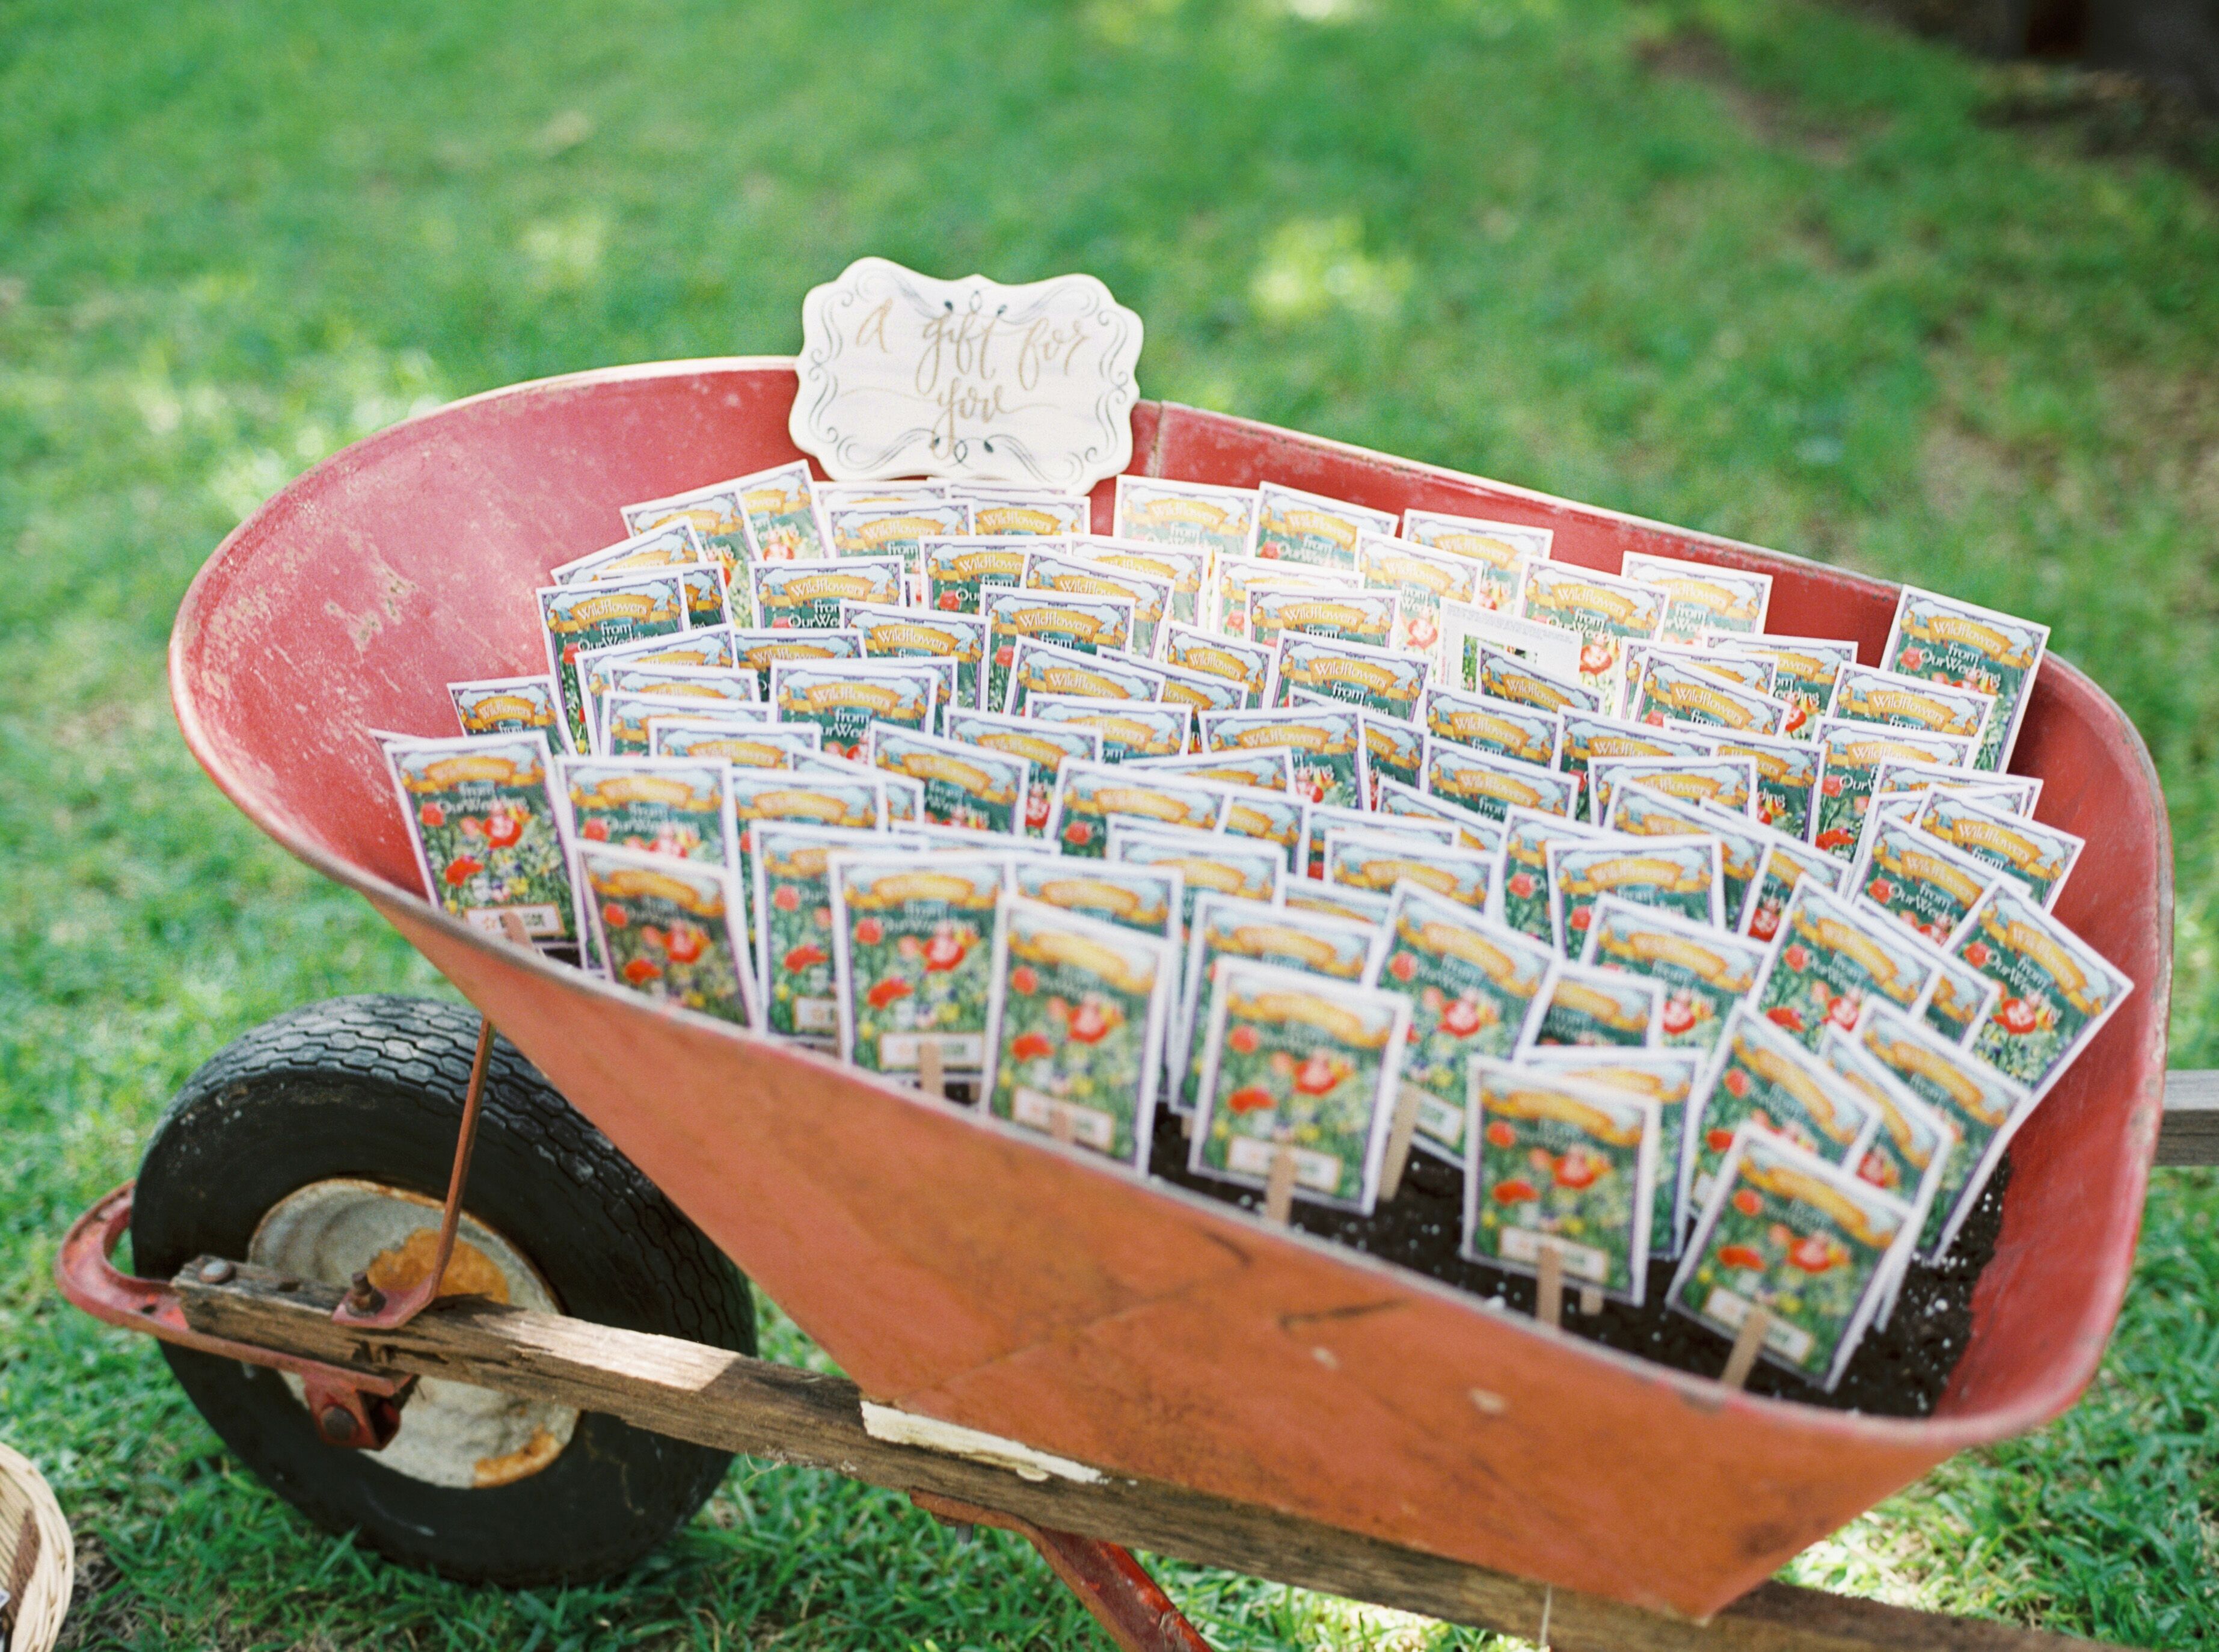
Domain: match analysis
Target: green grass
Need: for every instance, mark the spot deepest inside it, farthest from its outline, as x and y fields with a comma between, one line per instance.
x=1764, y=269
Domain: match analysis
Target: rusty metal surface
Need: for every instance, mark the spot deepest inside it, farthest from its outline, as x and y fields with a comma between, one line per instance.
x=973, y=1274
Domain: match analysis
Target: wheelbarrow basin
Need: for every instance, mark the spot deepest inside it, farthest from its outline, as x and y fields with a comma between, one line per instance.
x=962, y=1271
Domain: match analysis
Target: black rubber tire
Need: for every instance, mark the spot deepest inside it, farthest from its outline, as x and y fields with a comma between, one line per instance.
x=373, y=1087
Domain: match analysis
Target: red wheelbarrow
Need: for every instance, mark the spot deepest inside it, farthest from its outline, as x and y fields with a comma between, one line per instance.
x=1033, y=1338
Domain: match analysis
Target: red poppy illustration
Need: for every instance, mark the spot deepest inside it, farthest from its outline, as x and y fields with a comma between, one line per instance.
x=1881, y=889
x=569, y=654
x=869, y=932
x=1024, y=979
x=1595, y=657
x=1501, y=1134
x=2016, y=1014
x=1843, y=1012
x=1460, y=1019
x=1402, y=966
x=787, y=899
x=1834, y=837
x=807, y=955
x=471, y=826
x=1079, y=833
x=1874, y=1170
x=1717, y=1141
x=1786, y=1014
x=1243, y=1040
x=1798, y=714
x=641, y=971
x=1736, y=1083
x=461, y=869
x=1581, y=919
x=1316, y=1075
x=1749, y=1202
x=1005, y=655
x=502, y=828
x=1812, y=1254
x=614, y=915
x=1031, y=1047
x=684, y=943
x=887, y=991
x=595, y=829
x=1515, y=1191
x=431, y=815
x=1978, y=954
x=1423, y=633
x=1578, y=1169
x=1912, y=658
x=1831, y=785
x=1679, y=1016
x=1746, y=1257
x=1797, y=957
x=1250, y=1098
x=951, y=600
x=1521, y=885
x=1037, y=804
x=1654, y=719
x=1089, y=1023
x=1765, y=923
x=943, y=953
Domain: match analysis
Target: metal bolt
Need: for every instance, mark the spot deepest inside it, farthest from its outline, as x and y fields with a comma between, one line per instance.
x=362, y=1296
x=216, y=1271
x=337, y=1424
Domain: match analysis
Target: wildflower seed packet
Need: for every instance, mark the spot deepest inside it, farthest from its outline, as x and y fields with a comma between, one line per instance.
x=1489, y=784
x=1076, y=1028
x=2040, y=857
x=1293, y=527
x=2014, y=794
x=1750, y=671
x=1025, y=513
x=792, y=906
x=1526, y=900
x=1741, y=844
x=1727, y=783
x=1339, y=949
x=506, y=705
x=1044, y=747
x=1129, y=729
x=845, y=698
x=1184, y=569
x=1589, y=735
x=666, y=930
x=1294, y=1064
x=1805, y=670
x=853, y=802
x=1829, y=958
x=1809, y=1243
x=1088, y=625
x=1960, y=1000
x=1909, y=1152
x=1400, y=805
x=1668, y=1078
x=808, y=596
x=1705, y=973
x=958, y=570
x=1677, y=875
x=703, y=687
x=965, y=784
x=1849, y=757
x=485, y=822
x=759, y=650
x=1920, y=880
x=1264, y=768
x=890, y=633
x=1472, y=986
x=1636, y=810
x=1786, y=864
x=1226, y=606
x=1564, y=1164
x=904, y=796
x=1500, y=550
x=912, y=955
x=1864, y=695
x=1272, y=817
x=768, y=517
x=1209, y=863
x=627, y=719
x=1502, y=726
x=1393, y=750
x=1704, y=597
x=1200, y=692
x=723, y=739
x=894, y=530
x=1234, y=659
x=713, y=515
x=1760, y=1078
x=1786, y=780
x=1419, y=580
x=1335, y=900
x=1950, y=642
x=1605, y=610
x=1331, y=764
x=1088, y=793
x=660, y=805
x=1145, y=899
x=2058, y=991
x=1161, y=511
x=1585, y=1006
x=1982, y=1106
x=1479, y=647
x=577, y=619
x=1676, y=693
x=674, y=544
x=1379, y=680
x=1342, y=614
x=1070, y=574
x=1379, y=860
x=1038, y=667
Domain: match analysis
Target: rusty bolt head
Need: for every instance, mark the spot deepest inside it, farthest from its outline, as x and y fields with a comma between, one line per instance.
x=362, y=1297
x=337, y=1424
x=216, y=1271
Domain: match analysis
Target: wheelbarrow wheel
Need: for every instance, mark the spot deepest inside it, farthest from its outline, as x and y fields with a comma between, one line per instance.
x=320, y=1143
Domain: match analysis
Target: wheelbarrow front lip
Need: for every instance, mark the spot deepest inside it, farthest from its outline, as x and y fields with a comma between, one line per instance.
x=2079, y=1345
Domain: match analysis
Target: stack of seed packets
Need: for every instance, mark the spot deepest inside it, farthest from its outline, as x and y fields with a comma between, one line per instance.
x=1340, y=836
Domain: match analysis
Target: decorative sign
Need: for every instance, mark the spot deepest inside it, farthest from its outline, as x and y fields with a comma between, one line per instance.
x=903, y=375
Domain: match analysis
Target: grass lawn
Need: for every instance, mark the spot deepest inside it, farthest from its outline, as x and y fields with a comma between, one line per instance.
x=1758, y=268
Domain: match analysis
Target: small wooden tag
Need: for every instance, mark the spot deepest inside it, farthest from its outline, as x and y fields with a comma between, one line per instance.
x=1549, y=1294
x=1279, y=1188
x=1060, y=1126
x=512, y=928
x=1407, y=1098
x=1748, y=1342
x=1590, y=1299
x=931, y=1079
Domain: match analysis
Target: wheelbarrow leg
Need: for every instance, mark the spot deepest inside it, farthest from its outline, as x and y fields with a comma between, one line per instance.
x=1116, y=1589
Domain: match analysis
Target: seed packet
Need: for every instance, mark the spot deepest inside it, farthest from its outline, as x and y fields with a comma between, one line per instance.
x=703, y=688
x=1024, y=513
x=1607, y=611
x=1144, y=898
x=1809, y=1243
x=1637, y=811
x=912, y=955
x=1489, y=783
x=853, y=802
x=1674, y=693
x=1981, y=1105
x=1088, y=793
x=1199, y=692
x=1705, y=972
x=1863, y=695
x=722, y=737
x=904, y=798
x=965, y=784
x=1376, y=679
x=1129, y=729
x=1378, y=861
x=874, y=529
x=1076, y=1028
x=1184, y=569
x=792, y=906
x=1072, y=573
x=1726, y=783
x=1393, y=750
x=1293, y=527
x=1501, y=551
x=2039, y=857
x=1806, y=669
x=1331, y=764
x=837, y=495
x=1762, y=1079
x=1335, y=900
x=1946, y=641
x=1209, y=863
x=1585, y=1006
x=1162, y=512
x=1829, y=958
x=1272, y=817
x=1266, y=768
x=1043, y=746
x=1233, y=658
x=768, y=517
x=666, y=928
x=1705, y=597
x=484, y=820
x=1750, y=671
x=1084, y=624
x=507, y=705
x=1517, y=659
x=846, y=697
x=1960, y=999
x=2058, y=991
x=627, y=719
x=1920, y=880
x=1526, y=900
x=659, y=805
x=807, y=596
x=1589, y=735
x=958, y=570
x=1421, y=581
x=2014, y=794
x=1339, y=949
x=1668, y=1078
x=1340, y=613
x=1564, y=1164
x=759, y=650
x=1227, y=605
x=1398, y=803
x=1786, y=780
x=710, y=650
x=1504, y=727
x=1909, y=1153
x=1473, y=986
x=910, y=633
x=673, y=544
x=1294, y=1064
x=1678, y=875
x=1039, y=667
x=1849, y=757
x=577, y=618
x=1785, y=863
x=1418, y=827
